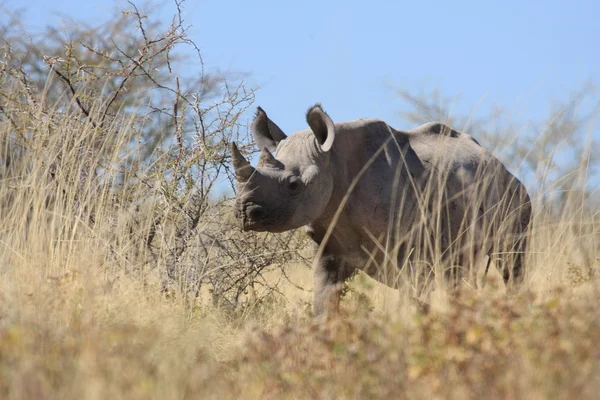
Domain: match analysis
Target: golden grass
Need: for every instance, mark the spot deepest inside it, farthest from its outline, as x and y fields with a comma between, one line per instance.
x=75, y=323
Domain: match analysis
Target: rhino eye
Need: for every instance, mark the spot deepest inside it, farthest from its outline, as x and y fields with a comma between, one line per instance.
x=294, y=185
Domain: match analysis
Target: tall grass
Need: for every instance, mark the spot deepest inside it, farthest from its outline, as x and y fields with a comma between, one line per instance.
x=83, y=314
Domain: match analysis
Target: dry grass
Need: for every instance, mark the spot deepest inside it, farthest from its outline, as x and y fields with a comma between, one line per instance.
x=79, y=319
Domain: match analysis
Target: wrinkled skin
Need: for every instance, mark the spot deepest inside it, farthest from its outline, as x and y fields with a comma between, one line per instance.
x=393, y=201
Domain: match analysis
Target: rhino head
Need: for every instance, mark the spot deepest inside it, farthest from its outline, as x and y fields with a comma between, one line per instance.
x=292, y=188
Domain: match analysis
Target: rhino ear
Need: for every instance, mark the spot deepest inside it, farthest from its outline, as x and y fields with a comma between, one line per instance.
x=266, y=133
x=321, y=125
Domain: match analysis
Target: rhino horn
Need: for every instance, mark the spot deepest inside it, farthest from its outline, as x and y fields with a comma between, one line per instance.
x=266, y=159
x=321, y=125
x=243, y=169
x=265, y=132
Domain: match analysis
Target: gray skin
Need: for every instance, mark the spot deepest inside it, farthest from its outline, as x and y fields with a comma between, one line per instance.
x=384, y=201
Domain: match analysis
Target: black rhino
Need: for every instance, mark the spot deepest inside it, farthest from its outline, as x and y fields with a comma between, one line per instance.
x=384, y=201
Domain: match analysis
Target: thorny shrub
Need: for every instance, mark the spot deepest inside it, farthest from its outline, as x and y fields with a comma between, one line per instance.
x=106, y=121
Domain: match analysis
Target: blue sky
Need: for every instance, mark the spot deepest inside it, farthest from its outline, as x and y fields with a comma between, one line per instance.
x=349, y=55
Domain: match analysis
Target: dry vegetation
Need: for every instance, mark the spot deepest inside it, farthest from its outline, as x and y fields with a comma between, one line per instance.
x=123, y=276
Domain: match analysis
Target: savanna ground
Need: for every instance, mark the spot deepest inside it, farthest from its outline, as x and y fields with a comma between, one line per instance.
x=123, y=274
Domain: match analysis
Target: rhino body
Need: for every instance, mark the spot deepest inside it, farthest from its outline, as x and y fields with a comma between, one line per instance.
x=395, y=204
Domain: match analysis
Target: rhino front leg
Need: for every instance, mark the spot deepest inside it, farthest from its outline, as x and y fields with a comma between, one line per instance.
x=329, y=276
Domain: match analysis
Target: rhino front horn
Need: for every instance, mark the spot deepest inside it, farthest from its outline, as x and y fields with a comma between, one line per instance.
x=243, y=169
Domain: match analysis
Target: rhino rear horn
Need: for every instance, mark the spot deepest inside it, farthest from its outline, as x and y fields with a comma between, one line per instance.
x=321, y=125
x=266, y=133
x=243, y=169
x=266, y=159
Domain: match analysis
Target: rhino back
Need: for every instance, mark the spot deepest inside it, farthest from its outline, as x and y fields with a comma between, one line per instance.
x=402, y=160
x=406, y=167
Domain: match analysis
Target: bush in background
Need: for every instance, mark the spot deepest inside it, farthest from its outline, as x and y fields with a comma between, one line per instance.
x=127, y=147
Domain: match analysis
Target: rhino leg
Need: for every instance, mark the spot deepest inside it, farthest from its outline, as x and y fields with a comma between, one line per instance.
x=472, y=269
x=512, y=250
x=511, y=265
x=329, y=276
x=513, y=234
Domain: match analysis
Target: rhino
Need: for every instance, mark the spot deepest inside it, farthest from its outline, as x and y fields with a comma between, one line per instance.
x=398, y=205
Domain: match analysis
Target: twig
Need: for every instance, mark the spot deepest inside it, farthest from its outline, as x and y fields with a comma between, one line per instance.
x=74, y=93
x=178, y=133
